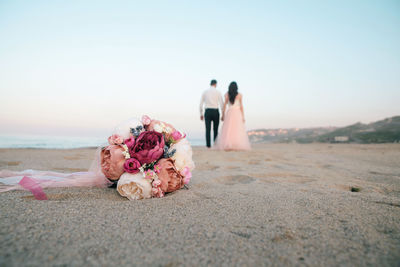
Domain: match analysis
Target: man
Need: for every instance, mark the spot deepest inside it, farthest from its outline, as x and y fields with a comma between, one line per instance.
x=211, y=100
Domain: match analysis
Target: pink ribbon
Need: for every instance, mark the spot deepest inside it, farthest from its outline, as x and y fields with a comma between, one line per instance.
x=33, y=186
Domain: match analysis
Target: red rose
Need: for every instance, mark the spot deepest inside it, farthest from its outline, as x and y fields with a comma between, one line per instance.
x=149, y=147
x=130, y=142
x=132, y=165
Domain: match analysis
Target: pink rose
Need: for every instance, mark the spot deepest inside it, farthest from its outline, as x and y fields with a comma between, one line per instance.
x=156, y=168
x=149, y=147
x=157, y=192
x=187, y=174
x=112, y=161
x=115, y=139
x=149, y=174
x=186, y=180
x=170, y=178
x=176, y=135
x=146, y=120
x=132, y=165
x=130, y=142
x=156, y=183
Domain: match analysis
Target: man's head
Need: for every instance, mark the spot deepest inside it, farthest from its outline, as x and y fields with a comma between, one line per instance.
x=213, y=83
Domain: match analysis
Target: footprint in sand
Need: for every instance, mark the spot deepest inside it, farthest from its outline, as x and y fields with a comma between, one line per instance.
x=282, y=177
x=206, y=167
x=9, y=163
x=235, y=179
x=325, y=166
x=287, y=235
x=232, y=167
x=75, y=157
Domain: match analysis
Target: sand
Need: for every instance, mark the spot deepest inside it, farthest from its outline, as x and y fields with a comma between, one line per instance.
x=280, y=204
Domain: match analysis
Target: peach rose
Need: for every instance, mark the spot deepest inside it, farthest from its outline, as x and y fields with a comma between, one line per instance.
x=169, y=176
x=112, y=162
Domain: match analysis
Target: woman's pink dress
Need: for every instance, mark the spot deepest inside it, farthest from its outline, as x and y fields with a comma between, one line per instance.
x=233, y=135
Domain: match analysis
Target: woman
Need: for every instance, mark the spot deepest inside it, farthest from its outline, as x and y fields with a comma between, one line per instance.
x=233, y=135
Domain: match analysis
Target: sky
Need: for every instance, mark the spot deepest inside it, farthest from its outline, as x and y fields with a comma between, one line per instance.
x=81, y=67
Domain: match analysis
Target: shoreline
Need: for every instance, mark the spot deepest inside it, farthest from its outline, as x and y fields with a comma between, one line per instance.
x=200, y=146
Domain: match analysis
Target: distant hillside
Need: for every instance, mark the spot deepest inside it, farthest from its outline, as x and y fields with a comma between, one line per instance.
x=287, y=135
x=384, y=131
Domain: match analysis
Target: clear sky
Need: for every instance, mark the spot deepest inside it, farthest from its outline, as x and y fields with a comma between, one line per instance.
x=79, y=67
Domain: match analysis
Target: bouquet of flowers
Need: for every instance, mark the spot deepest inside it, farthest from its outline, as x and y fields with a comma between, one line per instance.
x=147, y=158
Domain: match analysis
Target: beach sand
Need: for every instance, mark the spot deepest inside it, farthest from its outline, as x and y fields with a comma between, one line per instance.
x=279, y=204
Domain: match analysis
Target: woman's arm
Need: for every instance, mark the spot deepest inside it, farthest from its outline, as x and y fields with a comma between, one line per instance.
x=241, y=107
x=223, y=110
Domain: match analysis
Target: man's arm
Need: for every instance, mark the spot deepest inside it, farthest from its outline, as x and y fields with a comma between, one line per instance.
x=201, y=107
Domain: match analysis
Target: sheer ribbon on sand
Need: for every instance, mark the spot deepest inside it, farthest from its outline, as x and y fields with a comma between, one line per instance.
x=93, y=177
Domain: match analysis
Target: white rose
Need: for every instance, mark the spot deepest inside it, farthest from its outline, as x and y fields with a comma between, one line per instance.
x=158, y=128
x=183, y=155
x=168, y=130
x=134, y=186
x=124, y=129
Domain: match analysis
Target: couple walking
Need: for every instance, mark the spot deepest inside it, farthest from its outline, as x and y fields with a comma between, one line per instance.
x=233, y=135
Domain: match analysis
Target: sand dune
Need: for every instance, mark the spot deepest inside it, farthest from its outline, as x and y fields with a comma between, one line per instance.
x=317, y=205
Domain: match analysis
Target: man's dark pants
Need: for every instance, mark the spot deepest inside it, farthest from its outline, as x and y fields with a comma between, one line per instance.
x=211, y=115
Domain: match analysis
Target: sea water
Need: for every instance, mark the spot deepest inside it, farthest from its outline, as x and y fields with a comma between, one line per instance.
x=61, y=142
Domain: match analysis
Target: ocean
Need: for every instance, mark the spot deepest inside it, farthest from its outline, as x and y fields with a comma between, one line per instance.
x=61, y=142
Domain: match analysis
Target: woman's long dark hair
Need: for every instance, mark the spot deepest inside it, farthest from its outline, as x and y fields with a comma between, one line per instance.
x=232, y=92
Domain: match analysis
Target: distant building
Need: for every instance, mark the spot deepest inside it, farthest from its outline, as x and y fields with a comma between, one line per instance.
x=256, y=133
x=340, y=139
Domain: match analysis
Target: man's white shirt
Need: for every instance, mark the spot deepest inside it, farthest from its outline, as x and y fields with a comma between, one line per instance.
x=211, y=98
